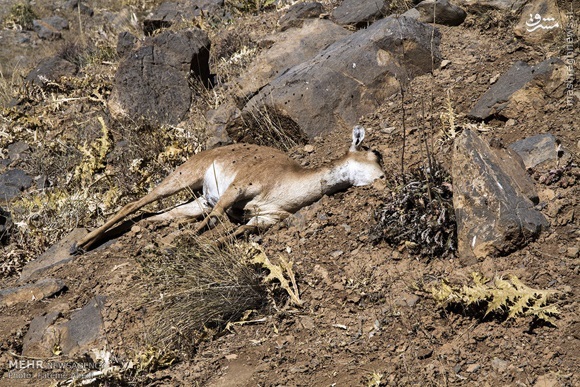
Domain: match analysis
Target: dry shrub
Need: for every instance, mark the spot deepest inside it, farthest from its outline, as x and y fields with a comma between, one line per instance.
x=420, y=215
x=21, y=16
x=249, y=6
x=198, y=288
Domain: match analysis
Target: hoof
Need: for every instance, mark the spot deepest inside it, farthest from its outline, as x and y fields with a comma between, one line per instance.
x=76, y=250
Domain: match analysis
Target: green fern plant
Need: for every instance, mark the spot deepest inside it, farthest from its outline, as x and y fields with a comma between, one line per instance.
x=508, y=295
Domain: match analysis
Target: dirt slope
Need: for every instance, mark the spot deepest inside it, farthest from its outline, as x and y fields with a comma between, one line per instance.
x=367, y=312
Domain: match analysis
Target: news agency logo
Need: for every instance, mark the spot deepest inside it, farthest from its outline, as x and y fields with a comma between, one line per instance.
x=41, y=369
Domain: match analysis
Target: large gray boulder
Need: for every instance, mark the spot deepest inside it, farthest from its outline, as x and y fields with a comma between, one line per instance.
x=152, y=82
x=541, y=21
x=289, y=49
x=493, y=198
x=352, y=77
x=59, y=254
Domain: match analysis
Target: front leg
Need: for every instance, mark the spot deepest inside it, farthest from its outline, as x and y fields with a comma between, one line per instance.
x=218, y=214
x=255, y=224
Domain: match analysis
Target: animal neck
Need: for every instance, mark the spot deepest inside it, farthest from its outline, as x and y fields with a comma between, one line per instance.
x=326, y=180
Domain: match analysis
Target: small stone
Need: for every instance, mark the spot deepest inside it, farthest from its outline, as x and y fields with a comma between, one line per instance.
x=499, y=364
x=547, y=195
x=424, y=353
x=494, y=79
x=407, y=299
x=347, y=228
x=308, y=148
x=445, y=63
x=336, y=254
x=472, y=368
x=78, y=5
x=307, y=323
x=510, y=122
x=549, y=380
x=572, y=252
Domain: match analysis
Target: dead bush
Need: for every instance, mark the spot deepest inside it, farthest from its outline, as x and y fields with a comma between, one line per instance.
x=420, y=215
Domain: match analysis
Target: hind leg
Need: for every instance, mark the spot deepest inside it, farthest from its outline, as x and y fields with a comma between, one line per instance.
x=190, y=210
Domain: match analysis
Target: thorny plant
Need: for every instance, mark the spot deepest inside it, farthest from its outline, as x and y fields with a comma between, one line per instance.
x=508, y=298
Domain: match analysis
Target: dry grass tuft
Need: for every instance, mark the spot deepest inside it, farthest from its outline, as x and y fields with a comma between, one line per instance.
x=198, y=288
x=270, y=128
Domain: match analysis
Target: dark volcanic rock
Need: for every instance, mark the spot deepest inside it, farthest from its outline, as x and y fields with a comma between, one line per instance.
x=297, y=13
x=359, y=12
x=516, y=86
x=491, y=196
x=12, y=183
x=126, y=41
x=536, y=149
x=440, y=12
x=32, y=292
x=77, y=336
x=84, y=327
x=50, y=28
x=151, y=83
x=32, y=344
x=78, y=5
x=351, y=77
x=170, y=13
x=51, y=69
x=58, y=254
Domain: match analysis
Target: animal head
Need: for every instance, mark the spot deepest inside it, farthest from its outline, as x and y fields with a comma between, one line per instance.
x=365, y=166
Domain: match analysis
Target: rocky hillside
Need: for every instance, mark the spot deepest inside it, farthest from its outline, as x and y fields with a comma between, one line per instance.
x=460, y=268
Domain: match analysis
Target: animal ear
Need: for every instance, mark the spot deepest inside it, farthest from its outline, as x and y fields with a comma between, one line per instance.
x=358, y=135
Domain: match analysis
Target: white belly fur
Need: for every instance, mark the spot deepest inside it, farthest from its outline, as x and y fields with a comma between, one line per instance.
x=215, y=182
